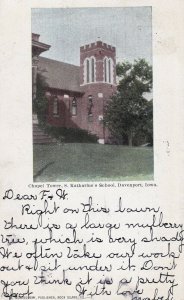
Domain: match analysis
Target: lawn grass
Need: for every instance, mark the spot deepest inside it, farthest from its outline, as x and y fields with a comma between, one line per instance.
x=91, y=162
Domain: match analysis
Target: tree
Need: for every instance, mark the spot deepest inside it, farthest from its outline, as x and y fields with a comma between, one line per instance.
x=129, y=113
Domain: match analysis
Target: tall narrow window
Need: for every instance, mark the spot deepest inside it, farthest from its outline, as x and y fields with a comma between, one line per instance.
x=55, y=106
x=92, y=70
x=108, y=70
x=109, y=65
x=74, y=107
x=90, y=108
x=87, y=71
x=105, y=69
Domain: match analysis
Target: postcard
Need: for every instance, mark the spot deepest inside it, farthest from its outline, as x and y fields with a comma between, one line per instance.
x=91, y=136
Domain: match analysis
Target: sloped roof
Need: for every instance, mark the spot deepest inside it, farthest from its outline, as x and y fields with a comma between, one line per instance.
x=60, y=75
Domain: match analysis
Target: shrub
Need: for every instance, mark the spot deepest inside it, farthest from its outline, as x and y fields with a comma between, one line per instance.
x=71, y=135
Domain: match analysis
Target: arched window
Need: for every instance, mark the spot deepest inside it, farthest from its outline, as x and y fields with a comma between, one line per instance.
x=105, y=69
x=89, y=70
x=55, y=106
x=109, y=62
x=90, y=105
x=74, y=107
x=90, y=108
x=108, y=70
x=92, y=70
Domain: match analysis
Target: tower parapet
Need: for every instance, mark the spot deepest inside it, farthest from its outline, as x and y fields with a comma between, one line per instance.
x=99, y=44
x=98, y=63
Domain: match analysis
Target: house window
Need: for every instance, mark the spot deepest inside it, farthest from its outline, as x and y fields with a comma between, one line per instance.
x=55, y=107
x=74, y=107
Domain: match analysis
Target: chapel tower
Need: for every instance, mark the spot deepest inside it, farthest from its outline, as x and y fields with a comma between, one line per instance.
x=98, y=81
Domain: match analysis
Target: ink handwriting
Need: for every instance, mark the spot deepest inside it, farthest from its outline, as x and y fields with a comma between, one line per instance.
x=89, y=247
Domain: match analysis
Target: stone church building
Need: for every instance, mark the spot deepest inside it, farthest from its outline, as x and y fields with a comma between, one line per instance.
x=77, y=94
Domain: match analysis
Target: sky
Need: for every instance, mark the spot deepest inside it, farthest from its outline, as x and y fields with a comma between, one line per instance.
x=129, y=29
